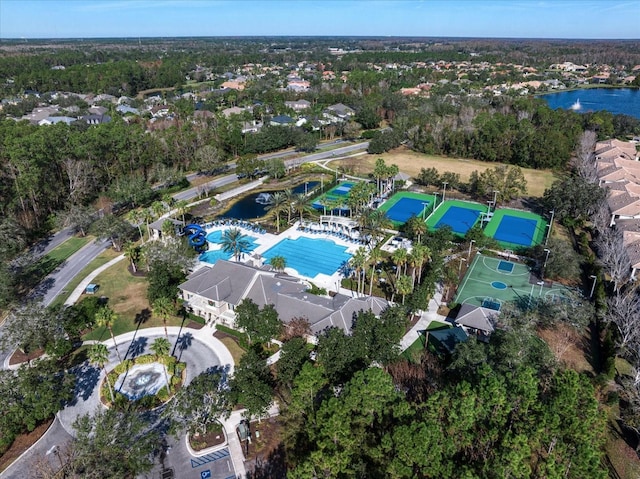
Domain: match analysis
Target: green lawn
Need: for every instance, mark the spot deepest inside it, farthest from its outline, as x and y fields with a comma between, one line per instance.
x=127, y=296
x=101, y=259
x=36, y=272
x=413, y=352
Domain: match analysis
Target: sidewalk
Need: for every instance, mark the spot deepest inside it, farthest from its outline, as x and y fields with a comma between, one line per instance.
x=425, y=320
x=76, y=293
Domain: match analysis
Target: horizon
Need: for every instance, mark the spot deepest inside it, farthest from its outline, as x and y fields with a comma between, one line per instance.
x=460, y=19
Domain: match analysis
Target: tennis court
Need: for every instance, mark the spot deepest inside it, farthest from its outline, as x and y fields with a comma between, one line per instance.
x=490, y=282
x=516, y=229
x=460, y=216
x=335, y=198
x=402, y=206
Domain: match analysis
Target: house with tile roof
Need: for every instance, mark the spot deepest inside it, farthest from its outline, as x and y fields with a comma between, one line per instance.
x=213, y=293
x=618, y=170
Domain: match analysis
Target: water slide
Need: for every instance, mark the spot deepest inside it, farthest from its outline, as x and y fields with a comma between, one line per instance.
x=197, y=236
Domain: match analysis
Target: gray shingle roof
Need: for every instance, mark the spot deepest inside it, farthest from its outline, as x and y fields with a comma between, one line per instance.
x=476, y=317
x=232, y=282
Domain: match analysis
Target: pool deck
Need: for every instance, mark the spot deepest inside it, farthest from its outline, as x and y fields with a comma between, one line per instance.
x=265, y=241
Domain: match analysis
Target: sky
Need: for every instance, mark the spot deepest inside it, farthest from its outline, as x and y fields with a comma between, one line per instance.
x=584, y=19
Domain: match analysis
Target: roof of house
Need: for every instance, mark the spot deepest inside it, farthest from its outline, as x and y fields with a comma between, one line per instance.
x=448, y=338
x=476, y=317
x=233, y=282
x=282, y=119
x=341, y=109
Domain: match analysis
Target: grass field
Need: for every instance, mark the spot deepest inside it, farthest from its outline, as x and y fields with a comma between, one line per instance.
x=410, y=162
x=127, y=296
x=101, y=259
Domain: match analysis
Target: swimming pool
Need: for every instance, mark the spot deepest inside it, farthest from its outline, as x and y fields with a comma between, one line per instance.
x=212, y=256
x=310, y=257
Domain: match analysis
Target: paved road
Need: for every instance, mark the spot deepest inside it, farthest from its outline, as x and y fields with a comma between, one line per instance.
x=55, y=283
x=193, y=348
x=228, y=179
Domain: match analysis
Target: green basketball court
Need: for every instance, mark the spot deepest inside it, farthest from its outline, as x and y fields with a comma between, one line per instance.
x=490, y=282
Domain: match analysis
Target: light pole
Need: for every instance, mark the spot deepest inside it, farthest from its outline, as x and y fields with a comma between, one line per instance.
x=462, y=260
x=495, y=198
x=531, y=293
x=553, y=212
x=444, y=189
x=322, y=183
x=306, y=183
x=593, y=286
x=541, y=283
x=470, y=245
x=424, y=207
x=435, y=201
x=544, y=265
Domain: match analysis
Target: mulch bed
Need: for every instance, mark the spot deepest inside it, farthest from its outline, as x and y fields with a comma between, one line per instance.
x=221, y=335
x=211, y=439
x=18, y=357
x=22, y=443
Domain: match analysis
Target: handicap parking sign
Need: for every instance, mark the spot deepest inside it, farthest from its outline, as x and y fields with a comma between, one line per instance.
x=205, y=474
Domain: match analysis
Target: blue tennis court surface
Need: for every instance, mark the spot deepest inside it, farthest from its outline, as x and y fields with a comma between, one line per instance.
x=460, y=220
x=310, y=257
x=405, y=208
x=516, y=230
x=343, y=189
x=505, y=266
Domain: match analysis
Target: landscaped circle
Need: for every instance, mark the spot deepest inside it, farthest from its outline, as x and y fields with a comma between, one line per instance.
x=142, y=380
x=499, y=285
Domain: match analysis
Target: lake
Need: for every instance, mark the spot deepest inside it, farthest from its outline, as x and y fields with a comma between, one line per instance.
x=624, y=101
x=248, y=209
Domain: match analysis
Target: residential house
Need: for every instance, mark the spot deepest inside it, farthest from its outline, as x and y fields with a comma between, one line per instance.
x=339, y=112
x=127, y=110
x=213, y=293
x=95, y=119
x=53, y=120
x=281, y=120
x=298, y=105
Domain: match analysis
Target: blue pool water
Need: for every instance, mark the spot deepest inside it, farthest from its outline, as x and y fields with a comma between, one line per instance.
x=516, y=230
x=405, y=208
x=310, y=257
x=460, y=220
x=212, y=256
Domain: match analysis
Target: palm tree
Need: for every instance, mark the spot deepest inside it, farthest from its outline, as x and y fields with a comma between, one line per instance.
x=301, y=205
x=372, y=222
x=404, y=286
x=422, y=255
x=277, y=205
x=234, y=242
x=105, y=317
x=358, y=261
x=99, y=355
x=374, y=256
x=181, y=208
x=160, y=347
x=157, y=208
x=147, y=215
x=278, y=262
x=399, y=258
x=164, y=308
x=137, y=217
x=289, y=200
x=132, y=251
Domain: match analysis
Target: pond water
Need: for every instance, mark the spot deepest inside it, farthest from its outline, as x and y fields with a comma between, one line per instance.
x=624, y=101
x=248, y=209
